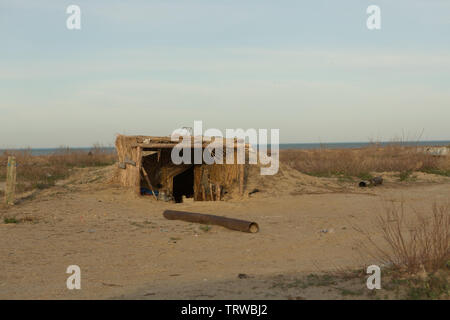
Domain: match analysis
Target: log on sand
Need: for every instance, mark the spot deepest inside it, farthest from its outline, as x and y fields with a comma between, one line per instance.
x=233, y=224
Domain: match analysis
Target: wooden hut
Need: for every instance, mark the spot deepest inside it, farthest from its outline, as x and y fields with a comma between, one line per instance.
x=146, y=165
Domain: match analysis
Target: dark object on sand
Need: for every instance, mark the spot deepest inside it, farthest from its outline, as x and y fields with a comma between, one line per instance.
x=372, y=182
x=233, y=224
x=148, y=192
x=376, y=181
x=254, y=191
x=363, y=184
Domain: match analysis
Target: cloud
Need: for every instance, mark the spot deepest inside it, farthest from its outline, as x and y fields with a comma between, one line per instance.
x=228, y=62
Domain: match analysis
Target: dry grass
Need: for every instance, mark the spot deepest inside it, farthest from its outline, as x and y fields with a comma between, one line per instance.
x=419, y=244
x=39, y=172
x=360, y=162
x=414, y=252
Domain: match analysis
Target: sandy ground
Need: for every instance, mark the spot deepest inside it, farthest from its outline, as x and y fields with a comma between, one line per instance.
x=126, y=249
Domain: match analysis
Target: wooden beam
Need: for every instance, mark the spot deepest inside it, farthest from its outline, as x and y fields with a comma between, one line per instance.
x=148, y=182
x=148, y=153
x=172, y=145
x=154, y=145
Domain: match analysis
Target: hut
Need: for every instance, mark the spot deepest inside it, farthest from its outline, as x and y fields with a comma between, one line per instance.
x=145, y=164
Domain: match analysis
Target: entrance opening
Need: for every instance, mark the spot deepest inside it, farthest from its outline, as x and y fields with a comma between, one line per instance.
x=183, y=185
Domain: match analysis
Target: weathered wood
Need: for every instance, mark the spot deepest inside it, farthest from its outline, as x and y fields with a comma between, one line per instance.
x=241, y=179
x=219, y=192
x=10, y=181
x=211, y=192
x=233, y=224
x=138, y=171
x=155, y=145
x=203, y=192
x=165, y=145
x=148, y=153
x=226, y=175
x=148, y=182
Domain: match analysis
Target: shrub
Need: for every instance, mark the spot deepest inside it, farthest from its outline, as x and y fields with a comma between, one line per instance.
x=412, y=246
x=360, y=162
x=43, y=171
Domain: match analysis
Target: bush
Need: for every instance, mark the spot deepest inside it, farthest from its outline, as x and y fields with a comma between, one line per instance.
x=360, y=162
x=40, y=172
x=413, y=246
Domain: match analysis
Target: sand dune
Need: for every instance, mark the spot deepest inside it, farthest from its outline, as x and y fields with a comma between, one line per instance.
x=125, y=248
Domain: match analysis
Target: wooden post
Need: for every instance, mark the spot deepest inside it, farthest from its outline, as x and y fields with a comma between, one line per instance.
x=148, y=182
x=10, y=181
x=203, y=192
x=211, y=191
x=219, y=192
x=138, y=170
x=241, y=179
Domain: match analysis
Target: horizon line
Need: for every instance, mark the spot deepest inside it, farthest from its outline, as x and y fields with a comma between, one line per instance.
x=281, y=143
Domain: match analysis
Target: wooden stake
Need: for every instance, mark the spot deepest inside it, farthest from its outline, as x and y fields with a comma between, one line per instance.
x=241, y=179
x=138, y=170
x=148, y=182
x=203, y=192
x=10, y=181
x=211, y=193
x=219, y=192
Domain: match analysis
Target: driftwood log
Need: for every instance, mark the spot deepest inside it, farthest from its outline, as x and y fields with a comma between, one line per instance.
x=233, y=224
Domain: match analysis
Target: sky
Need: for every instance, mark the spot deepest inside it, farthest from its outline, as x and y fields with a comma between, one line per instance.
x=311, y=69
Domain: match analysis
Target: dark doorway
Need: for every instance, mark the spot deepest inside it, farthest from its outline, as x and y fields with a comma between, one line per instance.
x=183, y=185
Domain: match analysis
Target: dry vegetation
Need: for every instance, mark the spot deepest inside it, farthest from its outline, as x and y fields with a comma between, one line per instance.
x=422, y=244
x=40, y=172
x=361, y=162
x=415, y=251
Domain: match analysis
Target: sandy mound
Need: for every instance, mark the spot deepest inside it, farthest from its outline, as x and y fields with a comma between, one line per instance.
x=289, y=181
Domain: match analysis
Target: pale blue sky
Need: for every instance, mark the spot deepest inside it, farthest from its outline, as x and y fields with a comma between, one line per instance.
x=310, y=68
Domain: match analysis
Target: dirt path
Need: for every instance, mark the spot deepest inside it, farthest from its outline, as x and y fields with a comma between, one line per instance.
x=125, y=248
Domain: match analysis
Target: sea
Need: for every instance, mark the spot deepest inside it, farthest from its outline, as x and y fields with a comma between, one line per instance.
x=330, y=145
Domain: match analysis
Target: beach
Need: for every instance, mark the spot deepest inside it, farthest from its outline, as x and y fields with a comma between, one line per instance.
x=126, y=249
